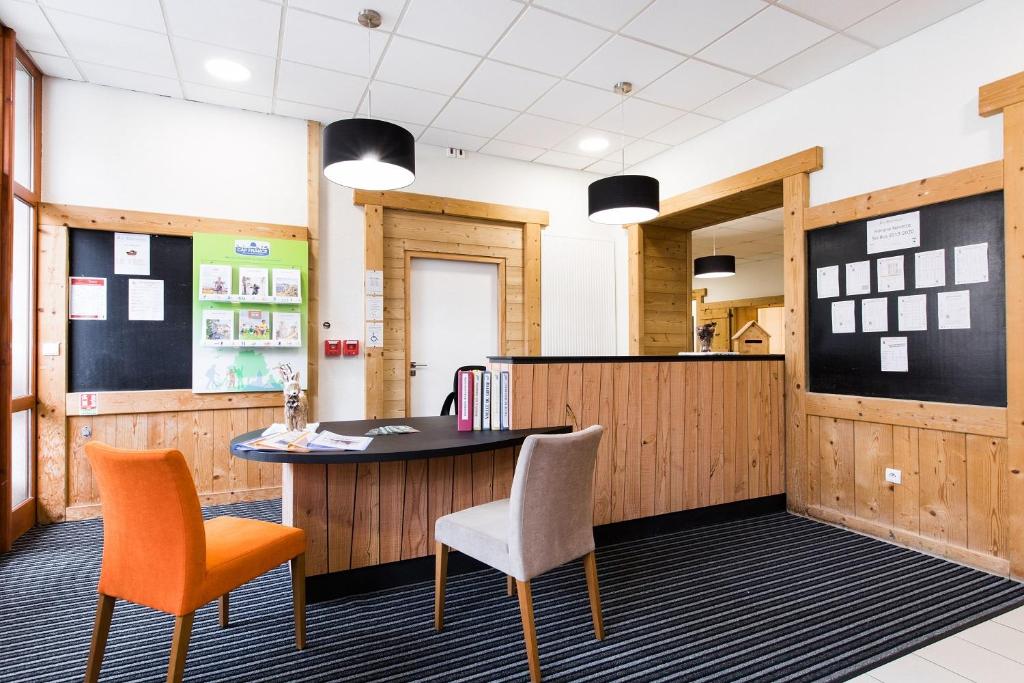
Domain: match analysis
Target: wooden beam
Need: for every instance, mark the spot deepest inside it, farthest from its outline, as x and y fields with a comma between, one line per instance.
x=464, y=208
x=947, y=417
x=636, y=288
x=313, y=289
x=796, y=196
x=94, y=218
x=373, y=259
x=172, y=400
x=532, y=288
x=994, y=97
x=940, y=188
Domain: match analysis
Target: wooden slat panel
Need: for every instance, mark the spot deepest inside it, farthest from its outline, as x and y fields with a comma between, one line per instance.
x=597, y=401
x=813, y=460
x=558, y=375
x=648, y=401
x=634, y=438
x=439, y=495
x=366, y=520
x=415, y=515
x=906, y=496
x=504, y=470
x=729, y=434
x=573, y=413
x=341, y=497
x=483, y=477
x=462, y=482
x=950, y=417
x=304, y=505
x=691, y=465
x=392, y=491
x=837, y=465
x=755, y=431
x=663, y=421
x=620, y=373
x=521, y=396
x=741, y=461
x=986, y=494
x=872, y=454
x=716, y=452
x=943, y=486
x=539, y=404
x=677, y=436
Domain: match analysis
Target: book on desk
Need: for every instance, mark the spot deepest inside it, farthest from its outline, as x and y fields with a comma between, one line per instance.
x=482, y=400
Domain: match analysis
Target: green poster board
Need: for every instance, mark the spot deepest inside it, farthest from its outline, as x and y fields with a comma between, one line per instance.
x=249, y=311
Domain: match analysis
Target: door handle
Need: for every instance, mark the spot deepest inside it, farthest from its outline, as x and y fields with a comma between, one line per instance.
x=413, y=365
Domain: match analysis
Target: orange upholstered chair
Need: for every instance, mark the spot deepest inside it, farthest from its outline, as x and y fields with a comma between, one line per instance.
x=158, y=551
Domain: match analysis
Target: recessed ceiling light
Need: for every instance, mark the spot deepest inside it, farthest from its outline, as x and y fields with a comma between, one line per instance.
x=227, y=70
x=593, y=144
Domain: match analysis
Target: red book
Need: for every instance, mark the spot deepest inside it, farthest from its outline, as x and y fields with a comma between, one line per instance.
x=464, y=401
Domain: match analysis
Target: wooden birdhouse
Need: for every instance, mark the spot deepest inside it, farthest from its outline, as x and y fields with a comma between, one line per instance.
x=751, y=338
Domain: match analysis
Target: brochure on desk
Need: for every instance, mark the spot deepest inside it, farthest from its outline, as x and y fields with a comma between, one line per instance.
x=249, y=311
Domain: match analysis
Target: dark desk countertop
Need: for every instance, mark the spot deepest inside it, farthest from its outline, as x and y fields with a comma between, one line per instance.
x=688, y=358
x=438, y=437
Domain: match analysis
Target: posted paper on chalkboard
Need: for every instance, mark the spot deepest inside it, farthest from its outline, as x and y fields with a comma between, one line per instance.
x=874, y=315
x=894, y=354
x=843, y=317
x=955, y=310
x=970, y=263
x=828, y=282
x=88, y=298
x=145, y=299
x=894, y=232
x=858, y=278
x=930, y=268
x=890, y=273
x=131, y=254
x=912, y=312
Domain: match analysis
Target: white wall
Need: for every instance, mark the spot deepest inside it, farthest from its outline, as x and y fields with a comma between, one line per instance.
x=905, y=112
x=752, y=280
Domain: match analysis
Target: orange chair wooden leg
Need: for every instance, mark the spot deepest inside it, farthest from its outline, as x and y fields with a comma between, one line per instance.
x=100, y=630
x=590, y=567
x=179, y=647
x=529, y=630
x=222, y=610
x=299, y=599
x=440, y=577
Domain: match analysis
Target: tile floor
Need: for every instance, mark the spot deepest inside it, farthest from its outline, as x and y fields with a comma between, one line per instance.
x=992, y=652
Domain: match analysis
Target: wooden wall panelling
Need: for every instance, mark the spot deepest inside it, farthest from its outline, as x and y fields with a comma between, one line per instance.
x=598, y=394
x=906, y=496
x=531, y=307
x=678, y=429
x=649, y=413
x=634, y=443
x=620, y=412
x=837, y=464
x=304, y=504
x=635, y=239
x=663, y=421
x=705, y=399
x=691, y=447
x=52, y=440
x=943, y=458
x=795, y=199
x=313, y=177
x=667, y=286
x=373, y=259
x=448, y=206
x=873, y=453
x=987, y=479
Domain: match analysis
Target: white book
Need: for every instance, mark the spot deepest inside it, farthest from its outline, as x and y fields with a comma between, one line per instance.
x=495, y=401
x=485, y=410
x=477, y=402
x=505, y=413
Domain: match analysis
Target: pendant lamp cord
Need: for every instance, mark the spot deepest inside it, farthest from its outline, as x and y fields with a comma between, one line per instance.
x=622, y=130
x=369, y=73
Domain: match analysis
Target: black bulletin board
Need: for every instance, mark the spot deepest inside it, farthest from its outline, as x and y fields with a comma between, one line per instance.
x=118, y=354
x=965, y=366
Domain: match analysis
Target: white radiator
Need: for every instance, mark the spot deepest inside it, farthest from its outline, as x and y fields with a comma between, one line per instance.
x=577, y=296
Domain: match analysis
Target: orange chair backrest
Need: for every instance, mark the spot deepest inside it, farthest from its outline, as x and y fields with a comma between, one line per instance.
x=154, y=544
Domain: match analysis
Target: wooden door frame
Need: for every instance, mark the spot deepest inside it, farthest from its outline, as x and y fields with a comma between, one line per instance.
x=409, y=256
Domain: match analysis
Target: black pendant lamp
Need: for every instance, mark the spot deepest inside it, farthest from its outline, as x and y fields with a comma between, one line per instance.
x=369, y=154
x=716, y=265
x=623, y=199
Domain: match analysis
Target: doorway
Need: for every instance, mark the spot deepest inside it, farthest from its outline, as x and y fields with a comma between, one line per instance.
x=454, y=319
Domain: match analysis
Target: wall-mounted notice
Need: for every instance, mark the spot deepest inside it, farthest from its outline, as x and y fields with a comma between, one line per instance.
x=375, y=283
x=374, y=308
x=287, y=285
x=894, y=232
x=890, y=273
x=894, y=354
x=374, y=335
x=145, y=299
x=955, y=310
x=874, y=315
x=912, y=313
x=214, y=282
x=930, y=268
x=828, y=282
x=843, y=317
x=131, y=254
x=88, y=298
x=88, y=403
x=858, y=278
x=970, y=263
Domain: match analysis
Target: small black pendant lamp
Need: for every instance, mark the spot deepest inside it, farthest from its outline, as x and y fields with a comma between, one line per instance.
x=715, y=265
x=369, y=154
x=623, y=199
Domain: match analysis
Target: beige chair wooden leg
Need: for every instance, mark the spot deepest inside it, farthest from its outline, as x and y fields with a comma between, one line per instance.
x=179, y=647
x=529, y=632
x=100, y=630
x=299, y=599
x=510, y=586
x=590, y=566
x=222, y=610
x=440, y=576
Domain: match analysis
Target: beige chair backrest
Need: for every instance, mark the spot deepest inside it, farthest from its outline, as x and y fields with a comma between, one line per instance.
x=551, y=507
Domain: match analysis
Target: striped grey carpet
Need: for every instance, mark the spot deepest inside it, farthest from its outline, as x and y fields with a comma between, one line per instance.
x=774, y=598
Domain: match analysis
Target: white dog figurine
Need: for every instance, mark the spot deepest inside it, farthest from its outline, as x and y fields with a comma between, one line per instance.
x=296, y=408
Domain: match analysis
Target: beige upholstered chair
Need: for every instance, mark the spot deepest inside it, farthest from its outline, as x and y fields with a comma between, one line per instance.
x=547, y=521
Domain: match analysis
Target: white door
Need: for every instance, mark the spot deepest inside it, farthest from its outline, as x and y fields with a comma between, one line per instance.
x=453, y=319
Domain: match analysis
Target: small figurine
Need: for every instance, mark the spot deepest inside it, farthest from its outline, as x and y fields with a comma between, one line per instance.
x=296, y=407
x=706, y=333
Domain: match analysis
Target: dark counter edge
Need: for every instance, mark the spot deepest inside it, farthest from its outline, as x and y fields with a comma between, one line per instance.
x=365, y=579
x=534, y=360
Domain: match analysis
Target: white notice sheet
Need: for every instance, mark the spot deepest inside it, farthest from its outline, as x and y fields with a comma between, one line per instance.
x=955, y=310
x=375, y=283
x=374, y=335
x=971, y=263
x=131, y=254
x=874, y=315
x=828, y=282
x=88, y=298
x=890, y=273
x=912, y=313
x=894, y=232
x=374, y=308
x=858, y=278
x=894, y=354
x=930, y=268
x=145, y=299
x=843, y=320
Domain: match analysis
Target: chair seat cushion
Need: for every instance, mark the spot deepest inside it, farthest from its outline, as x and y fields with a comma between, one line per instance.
x=480, y=532
x=238, y=550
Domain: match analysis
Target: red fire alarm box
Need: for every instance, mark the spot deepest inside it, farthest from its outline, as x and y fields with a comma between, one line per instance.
x=351, y=347
x=332, y=347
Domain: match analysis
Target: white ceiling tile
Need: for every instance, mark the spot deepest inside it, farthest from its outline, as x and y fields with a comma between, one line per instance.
x=903, y=18
x=34, y=31
x=575, y=103
x=683, y=129
x=638, y=151
x=605, y=167
x=349, y=10
x=505, y=85
x=609, y=14
x=138, y=13
x=130, y=80
x=821, y=59
x=748, y=96
x=548, y=42
x=100, y=42
x=192, y=57
x=312, y=85
x=537, y=131
x=638, y=117
x=768, y=38
x=329, y=43
x=689, y=25
x=404, y=104
x=625, y=59
x=424, y=66
x=309, y=112
x=414, y=128
x=58, y=67
x=226, y=98
x=573, y=161
x=691, y=84
x=448, y=138
x=470, y=26
x=511, y=150
x=218, y=22
x=835, y=13
x=474, y=118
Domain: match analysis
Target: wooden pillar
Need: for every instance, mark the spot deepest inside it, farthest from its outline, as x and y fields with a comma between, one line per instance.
x=313, y=293
x=373, y=259
x=795, y=198
x=531, y=288
x=636, y=288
